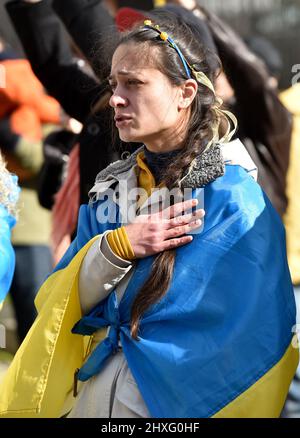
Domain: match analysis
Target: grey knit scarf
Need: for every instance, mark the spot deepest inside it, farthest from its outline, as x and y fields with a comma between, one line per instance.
x=209, y=166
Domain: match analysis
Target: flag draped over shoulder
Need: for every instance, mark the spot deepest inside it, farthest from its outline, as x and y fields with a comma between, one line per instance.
x=219, y=343
x=41, y=374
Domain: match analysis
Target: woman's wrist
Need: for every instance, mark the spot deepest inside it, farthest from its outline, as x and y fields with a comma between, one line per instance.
x=120, y=244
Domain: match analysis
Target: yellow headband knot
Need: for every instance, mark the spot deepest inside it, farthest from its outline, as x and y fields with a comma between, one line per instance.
x=164, y=36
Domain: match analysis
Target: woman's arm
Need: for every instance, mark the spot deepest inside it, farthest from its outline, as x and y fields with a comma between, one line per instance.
x=100, y=273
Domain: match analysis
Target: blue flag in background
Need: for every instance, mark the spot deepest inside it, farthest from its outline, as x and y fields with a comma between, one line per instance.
x=7, y=255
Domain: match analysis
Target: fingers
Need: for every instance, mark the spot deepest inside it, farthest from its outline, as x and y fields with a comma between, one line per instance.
x=185, y=219
x=179, y=208
x=175, y=243
x=184, y=229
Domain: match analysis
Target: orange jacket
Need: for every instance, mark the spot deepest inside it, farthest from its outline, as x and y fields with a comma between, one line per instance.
x=24, y=100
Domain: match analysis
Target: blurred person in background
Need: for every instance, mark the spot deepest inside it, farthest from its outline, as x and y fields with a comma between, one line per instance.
x=9, y=193
x=27, y=113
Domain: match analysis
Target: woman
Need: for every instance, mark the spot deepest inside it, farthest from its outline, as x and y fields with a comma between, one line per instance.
x=198, y=325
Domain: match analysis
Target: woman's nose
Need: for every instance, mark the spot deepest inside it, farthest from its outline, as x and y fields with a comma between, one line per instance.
x=117, y=100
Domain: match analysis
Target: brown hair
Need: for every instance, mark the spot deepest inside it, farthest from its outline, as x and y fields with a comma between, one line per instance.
x=203, y=119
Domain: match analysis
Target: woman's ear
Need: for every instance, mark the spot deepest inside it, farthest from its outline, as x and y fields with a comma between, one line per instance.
x=188, y=92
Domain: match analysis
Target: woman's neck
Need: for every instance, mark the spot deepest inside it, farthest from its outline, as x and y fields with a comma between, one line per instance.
x=167, y=140
x=159, y=161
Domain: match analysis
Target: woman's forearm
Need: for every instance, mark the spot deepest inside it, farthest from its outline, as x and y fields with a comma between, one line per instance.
x=100, y=273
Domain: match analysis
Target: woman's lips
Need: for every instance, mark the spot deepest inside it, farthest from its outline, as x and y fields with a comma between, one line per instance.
x=122, y=120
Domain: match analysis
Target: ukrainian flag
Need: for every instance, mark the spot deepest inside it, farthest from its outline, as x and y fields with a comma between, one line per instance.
x=220, y=343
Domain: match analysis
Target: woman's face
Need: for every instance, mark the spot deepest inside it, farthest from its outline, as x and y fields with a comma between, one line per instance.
x=148, y=108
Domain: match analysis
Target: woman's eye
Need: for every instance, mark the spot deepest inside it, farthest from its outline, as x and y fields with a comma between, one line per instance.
x=133, y=82
x=129, y=82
